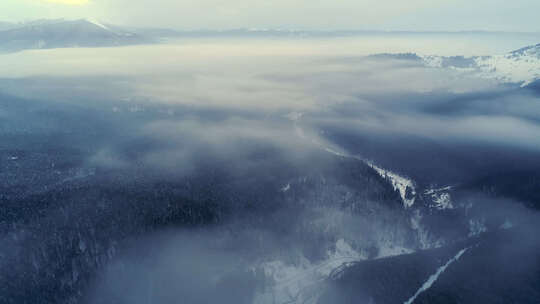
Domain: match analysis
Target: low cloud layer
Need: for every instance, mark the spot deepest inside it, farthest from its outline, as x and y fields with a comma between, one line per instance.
x=382, y=94
x=265, y=150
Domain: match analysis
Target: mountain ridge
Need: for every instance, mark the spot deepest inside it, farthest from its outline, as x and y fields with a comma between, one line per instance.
x=47, y=34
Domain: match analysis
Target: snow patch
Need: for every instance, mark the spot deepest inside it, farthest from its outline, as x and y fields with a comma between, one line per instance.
x=286, y=188
x=404, y=186
x=435, y=190
x=299, y=283
x=388, y=250
x=441, y=197
x=97, y=23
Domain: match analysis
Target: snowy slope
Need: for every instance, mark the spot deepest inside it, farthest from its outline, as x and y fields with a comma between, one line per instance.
x=403, y=185
x=520, y=66
x=300, y=282
x=46, y=34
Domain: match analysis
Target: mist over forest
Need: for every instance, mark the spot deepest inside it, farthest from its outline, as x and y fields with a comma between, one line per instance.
x=362, y=168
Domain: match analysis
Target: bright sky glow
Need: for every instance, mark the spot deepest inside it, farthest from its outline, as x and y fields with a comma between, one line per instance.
x=69, y=2
x=422, y=15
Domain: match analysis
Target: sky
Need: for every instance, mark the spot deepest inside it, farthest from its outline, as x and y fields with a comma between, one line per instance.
x=422, y=15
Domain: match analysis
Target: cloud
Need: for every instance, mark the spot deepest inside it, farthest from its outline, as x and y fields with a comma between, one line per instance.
x=254, y=83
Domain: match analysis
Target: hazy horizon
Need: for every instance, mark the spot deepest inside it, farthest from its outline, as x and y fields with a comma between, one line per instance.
x=417, y=15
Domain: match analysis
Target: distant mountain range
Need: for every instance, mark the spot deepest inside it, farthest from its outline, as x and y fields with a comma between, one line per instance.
x=61, y=33
x=47, y=34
